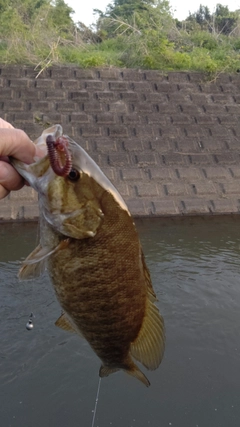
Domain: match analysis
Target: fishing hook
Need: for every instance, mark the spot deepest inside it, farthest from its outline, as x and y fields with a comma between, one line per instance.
x=54, y=149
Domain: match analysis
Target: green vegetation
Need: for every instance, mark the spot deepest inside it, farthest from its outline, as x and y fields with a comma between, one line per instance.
x=130, y=33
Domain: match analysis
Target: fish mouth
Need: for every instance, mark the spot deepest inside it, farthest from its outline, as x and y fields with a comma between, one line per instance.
x=34, y=173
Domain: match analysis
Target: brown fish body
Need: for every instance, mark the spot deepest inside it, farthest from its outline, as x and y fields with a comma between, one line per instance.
x=91, y=248
x=100, y=284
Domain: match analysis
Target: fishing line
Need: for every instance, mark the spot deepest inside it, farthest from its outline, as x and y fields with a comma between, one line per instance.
x=96, y=402
x=29, y=324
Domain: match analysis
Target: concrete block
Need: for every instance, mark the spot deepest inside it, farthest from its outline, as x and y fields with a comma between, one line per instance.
x=225, y=206
x=94, y=85
x=118, y=159
x=165, y=207
x=131, y=174
x=189, y=173
x=194, y=206
x=148, y=190
x=177, y=189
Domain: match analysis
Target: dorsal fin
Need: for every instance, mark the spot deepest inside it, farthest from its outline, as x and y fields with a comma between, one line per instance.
x=149, y=346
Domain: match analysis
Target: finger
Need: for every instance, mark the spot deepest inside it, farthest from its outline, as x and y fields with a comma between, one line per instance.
x=5, y=125
x=16, y=143
x=5, y=159
x=3, y=192
x=9, y=178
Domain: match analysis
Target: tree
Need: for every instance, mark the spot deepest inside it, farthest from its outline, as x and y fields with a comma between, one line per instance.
x=17, y=15
x=125, y=8
x=225, y=21
x=31, y=29
x=222, y=21
x=61, y=15
x=132, y=13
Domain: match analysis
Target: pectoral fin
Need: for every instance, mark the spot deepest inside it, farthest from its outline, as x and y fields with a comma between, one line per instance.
x=34, y=264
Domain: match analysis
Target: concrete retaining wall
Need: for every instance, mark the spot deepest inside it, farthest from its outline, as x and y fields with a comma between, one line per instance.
x=169, y=142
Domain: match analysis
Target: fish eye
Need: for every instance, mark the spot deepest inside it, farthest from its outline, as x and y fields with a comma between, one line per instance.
x=74, y=175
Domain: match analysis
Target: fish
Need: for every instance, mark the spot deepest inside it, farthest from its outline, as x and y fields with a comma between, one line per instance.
x=90, y=247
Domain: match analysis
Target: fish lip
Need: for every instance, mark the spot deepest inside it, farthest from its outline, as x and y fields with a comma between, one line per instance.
x=23, y=169
x=28, y=172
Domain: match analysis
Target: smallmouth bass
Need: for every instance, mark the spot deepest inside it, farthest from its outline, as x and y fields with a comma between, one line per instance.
x=90, y=247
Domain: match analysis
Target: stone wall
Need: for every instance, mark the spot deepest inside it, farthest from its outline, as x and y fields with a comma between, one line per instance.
x=170, y=143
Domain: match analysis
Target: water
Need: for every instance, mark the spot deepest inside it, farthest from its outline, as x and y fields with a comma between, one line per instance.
x=49, y=377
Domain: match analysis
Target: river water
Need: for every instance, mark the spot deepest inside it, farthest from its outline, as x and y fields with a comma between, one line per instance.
x=49, y=377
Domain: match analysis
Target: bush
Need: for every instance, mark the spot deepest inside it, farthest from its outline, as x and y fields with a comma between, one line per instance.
x=42, y=33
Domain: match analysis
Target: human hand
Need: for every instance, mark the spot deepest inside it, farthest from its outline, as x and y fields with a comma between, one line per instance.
x=15, y=143
x=5, y=125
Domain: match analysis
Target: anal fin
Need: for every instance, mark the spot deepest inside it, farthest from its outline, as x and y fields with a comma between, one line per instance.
x=105, y=371
x=131, y=369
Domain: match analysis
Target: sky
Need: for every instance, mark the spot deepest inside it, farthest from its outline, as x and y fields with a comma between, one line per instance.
x=180, y=8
